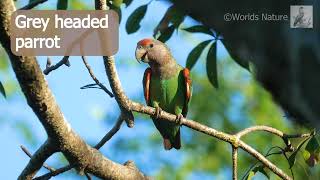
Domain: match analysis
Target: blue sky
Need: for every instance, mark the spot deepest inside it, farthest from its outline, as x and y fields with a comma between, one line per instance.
x=86, y=109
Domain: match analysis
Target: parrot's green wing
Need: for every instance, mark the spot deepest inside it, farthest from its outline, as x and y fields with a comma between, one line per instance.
x=169, y=130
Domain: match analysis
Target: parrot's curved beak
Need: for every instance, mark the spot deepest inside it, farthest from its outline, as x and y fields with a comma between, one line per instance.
x=141, y=55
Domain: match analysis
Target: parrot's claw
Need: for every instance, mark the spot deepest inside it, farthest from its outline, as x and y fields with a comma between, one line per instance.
x=179, y=119
x=158, y=112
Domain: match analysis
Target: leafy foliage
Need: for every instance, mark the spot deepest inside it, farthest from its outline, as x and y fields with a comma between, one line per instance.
x=127, y=2
x=176, y=16
x=78, y=5
x=196, y=53
x=169, y=22
x=117, y=3
x=242, y=62
x=62, y=4
x=311, y=154
x=256, y=169
x=133, y=22
x=166, y=34
x=2, y=90
x=211, y=66
x=292, y=158
x=199, y=29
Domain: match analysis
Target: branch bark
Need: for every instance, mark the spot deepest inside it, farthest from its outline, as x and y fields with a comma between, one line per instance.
x=234, y=163
x=40, y=99
x=25, y=150
x=37, y=160
x=49, y=67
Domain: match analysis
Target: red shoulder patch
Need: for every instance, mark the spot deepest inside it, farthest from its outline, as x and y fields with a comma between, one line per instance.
x=146, y=85
x=145, y=42
x=188, y=83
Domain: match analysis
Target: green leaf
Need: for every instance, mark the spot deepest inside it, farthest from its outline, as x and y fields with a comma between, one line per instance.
x=176, y=16
x=313, y=145
x=133, y=22
x=311, y=154
x=117, y=3
x=211, y=65
x=62, y=4
x=127, y=2
x=292, y=158
x=2, y=91
x=242, y=62
x=173, y=16
x=78, y=5
x=256, y=169
x=199, y=29
x=196, y=53
x=166, y=34
x=250, y=175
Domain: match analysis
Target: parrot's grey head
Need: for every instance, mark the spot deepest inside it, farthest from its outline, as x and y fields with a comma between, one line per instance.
x=152, y=51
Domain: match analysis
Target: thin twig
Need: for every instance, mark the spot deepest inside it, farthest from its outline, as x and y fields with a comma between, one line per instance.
x=270, y=130
x=37, y=160
x=55, y=173
x=109, y=135
x=95, y=78
x=49, y=67
x=260, y=128
x=25, y=150
x=274, y=131
x=33, y=4
x=234, y=163
x=106, y=138
x=88, y=176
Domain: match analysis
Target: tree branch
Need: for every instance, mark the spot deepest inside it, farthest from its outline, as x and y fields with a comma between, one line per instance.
x=121, y=98
x=55, y=173
x=270, y=130
x=49, y=67
x=106, y=138
x=127, y=115
x=37, y=160
x=40, y=99
x=33, y=4
x=234, y=163
x=95, y=78
x=25, y=150
x=112, y=132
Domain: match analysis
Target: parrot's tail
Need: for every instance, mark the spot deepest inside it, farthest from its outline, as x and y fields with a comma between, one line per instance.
x=167, y=144
x=176, y=143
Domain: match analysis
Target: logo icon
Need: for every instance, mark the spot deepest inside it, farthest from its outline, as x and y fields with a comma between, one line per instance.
x=301, y=16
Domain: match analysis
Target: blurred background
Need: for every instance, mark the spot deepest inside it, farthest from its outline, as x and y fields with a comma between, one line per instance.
x=239, y=102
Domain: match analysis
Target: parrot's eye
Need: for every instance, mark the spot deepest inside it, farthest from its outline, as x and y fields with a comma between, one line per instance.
x=151, y=46
x=139, y=47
